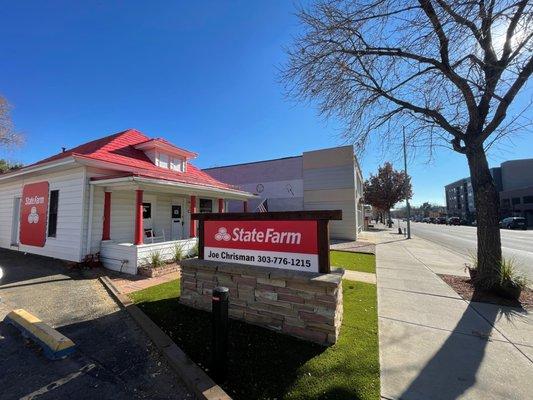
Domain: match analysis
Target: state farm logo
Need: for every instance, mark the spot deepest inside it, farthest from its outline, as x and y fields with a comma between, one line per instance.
x=28, y=201
x=222, y=234
x=269, y=235
x=33, y=217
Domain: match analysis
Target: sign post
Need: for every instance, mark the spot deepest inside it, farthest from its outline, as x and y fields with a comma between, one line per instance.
x=294, y=240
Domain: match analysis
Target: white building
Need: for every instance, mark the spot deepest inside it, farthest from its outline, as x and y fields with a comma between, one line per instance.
x=123, y=195
x=327, y=179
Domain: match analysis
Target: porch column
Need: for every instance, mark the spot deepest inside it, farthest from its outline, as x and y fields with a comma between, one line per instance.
x=106, y=227
x=139, y=231
x=192, y=229
x=220, y=205
x=245, y=206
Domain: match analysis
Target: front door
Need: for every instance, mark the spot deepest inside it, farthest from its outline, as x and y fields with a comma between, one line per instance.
x=177, y=220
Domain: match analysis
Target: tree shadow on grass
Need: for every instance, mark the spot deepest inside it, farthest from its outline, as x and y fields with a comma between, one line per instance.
x=262, y=364
x=453, y=369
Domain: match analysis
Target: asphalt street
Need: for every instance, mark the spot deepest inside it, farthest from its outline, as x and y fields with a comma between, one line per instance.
x=517, y=244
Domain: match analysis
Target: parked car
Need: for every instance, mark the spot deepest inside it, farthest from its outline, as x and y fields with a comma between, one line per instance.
x=453, y=221
x=514, y=223
x=431, y=220
x=440, y=220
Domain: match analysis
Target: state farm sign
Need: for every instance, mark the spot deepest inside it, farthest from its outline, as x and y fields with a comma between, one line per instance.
x=33, y=214
x=273, y=243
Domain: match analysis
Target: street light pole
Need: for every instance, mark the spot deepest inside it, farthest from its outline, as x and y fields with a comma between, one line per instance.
x=406, y=199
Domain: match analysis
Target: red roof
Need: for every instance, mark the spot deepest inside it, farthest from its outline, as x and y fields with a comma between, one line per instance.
x=120, y=150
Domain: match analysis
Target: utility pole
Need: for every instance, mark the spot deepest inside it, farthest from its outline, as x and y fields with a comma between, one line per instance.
x=406, y=200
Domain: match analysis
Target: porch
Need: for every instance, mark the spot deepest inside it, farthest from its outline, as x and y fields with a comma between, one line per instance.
x=127, y=257
x=132, y=217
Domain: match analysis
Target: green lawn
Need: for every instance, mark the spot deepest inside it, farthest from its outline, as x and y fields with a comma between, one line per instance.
x=266, y=365
x=361, y=262
x=169, y=290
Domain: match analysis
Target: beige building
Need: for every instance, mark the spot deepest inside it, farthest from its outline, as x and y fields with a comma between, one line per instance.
x=324, y=179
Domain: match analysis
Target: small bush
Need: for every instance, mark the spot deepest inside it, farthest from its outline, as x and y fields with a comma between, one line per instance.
x=178, y=252
x=508, y=275
x=155, y=260
x=194, y=251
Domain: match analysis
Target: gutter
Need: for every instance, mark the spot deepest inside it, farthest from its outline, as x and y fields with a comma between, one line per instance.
x=40, y=167
x=140, y=180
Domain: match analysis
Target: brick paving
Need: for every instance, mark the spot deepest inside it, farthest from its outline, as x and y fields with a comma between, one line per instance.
x=132, y=283
x=356, y=246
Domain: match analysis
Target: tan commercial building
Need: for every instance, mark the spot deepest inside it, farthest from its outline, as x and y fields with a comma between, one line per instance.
x=316, y=180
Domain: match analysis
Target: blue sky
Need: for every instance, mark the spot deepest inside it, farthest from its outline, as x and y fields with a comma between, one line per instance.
x=201, y=74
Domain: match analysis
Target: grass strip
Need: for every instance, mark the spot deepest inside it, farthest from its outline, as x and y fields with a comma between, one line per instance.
x=361, y=262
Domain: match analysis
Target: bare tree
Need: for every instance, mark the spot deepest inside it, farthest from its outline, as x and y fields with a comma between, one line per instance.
x=450, y=69
x=8, y=136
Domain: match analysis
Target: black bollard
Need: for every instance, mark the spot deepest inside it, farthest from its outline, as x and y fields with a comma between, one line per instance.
x=219, y=310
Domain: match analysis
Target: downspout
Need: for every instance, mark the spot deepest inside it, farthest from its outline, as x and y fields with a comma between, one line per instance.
x=90, y=222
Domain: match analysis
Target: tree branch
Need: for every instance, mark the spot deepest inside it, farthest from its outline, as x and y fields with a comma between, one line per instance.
x=501, y=111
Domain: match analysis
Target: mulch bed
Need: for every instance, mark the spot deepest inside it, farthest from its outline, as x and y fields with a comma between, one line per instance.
x=463, y=286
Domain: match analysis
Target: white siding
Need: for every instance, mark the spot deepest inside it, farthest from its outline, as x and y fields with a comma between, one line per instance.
x=67, y=243
x=162, y=220
x=122, y=216
x=120, y=257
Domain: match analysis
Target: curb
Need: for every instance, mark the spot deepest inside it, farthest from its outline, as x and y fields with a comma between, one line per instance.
x=194, y=377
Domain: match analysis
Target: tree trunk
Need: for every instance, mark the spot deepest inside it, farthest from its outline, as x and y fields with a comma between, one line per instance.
x=487, y=201
x=389, y=219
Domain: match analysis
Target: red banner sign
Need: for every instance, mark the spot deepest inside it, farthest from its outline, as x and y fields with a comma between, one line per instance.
x=33, y=214
x=273, y=243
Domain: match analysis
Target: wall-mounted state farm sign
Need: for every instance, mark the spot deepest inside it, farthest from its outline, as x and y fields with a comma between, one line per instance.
x=288, y=240
x=33, y=214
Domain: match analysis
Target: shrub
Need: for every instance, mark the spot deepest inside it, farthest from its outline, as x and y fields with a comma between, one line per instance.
x=194, y=251
x=178, y=252
x=509, y=277
x=155, y=259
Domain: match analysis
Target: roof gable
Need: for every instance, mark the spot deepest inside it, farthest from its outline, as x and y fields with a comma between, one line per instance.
x=119, y=149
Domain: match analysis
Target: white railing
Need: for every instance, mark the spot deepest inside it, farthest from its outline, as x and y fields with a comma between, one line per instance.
x=166, y=250
x=127, y=257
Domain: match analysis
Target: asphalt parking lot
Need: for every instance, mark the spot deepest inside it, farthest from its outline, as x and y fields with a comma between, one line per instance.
x=114, y=359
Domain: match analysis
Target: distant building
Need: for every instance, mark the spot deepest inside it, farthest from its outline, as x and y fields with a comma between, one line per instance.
x=514, y=182
x=316, y=180
x=516, y=195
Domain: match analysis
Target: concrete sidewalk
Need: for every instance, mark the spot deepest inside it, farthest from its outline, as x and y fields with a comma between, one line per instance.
x=433, y=344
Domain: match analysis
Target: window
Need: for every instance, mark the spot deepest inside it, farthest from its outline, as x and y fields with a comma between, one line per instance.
x=147, y=210
x=506, y=203
x=52, y=213
x=527, y=199
x=177, y=164
x=163, y=160
x=206, y=205
x=515, y=200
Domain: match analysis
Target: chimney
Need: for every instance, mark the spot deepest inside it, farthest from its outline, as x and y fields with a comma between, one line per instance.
x=63, y=149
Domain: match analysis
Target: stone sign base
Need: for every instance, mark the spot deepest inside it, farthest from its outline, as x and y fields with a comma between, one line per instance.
x=302, y=304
